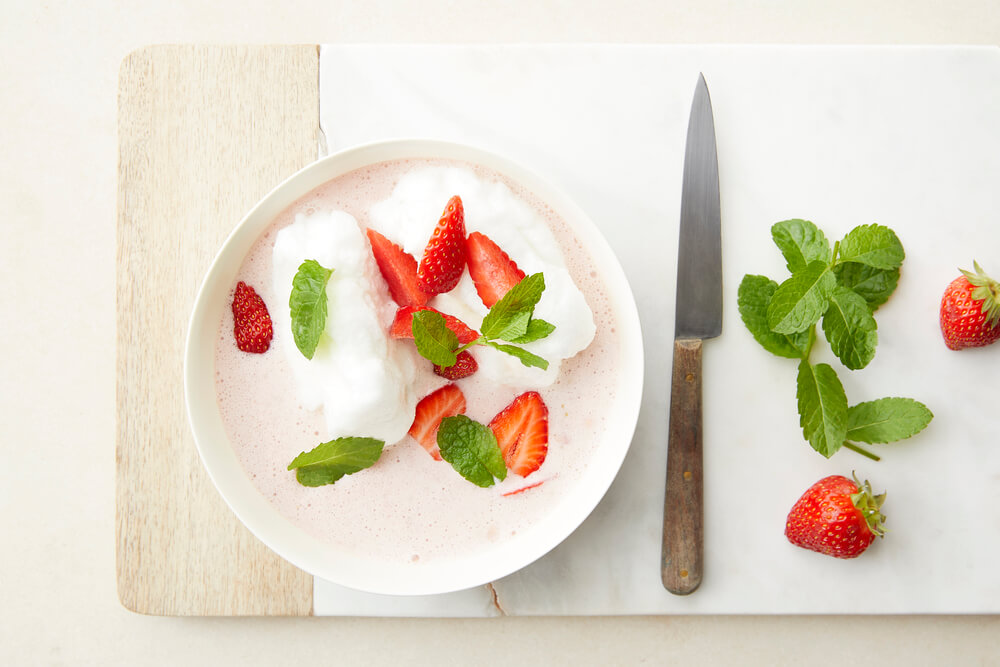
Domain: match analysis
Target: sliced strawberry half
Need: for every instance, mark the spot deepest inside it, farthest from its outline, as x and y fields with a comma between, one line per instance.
x=447, y=401
x=252, y=326
x=522, y=431
x=463, y=367
x=444, y=257
x=399, y=269
x=402, y=325
x=491, y=269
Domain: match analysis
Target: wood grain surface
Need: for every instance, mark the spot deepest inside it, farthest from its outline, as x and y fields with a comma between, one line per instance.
x=204, y=132
x=682, y=557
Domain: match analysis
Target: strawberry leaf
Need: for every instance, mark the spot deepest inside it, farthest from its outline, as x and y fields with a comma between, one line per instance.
x=873, y=245
x=434, y=340
x=822, y=407
x=850, y=328
x=800, y=242
x=753, y=297
x=471, y=449
x=800, y=301
x=887, y=420
x=308, y=305
x=875, y=286
x=330, y=461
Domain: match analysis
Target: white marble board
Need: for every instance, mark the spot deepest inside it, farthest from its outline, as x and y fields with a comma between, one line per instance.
x=905, y=137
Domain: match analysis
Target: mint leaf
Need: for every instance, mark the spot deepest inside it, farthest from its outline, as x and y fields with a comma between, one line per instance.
x=874, y=245
x=434, y=340
x=508, y=318
x=822, y=407
x=873, y=285
x=801, y=242
x=308, y=305
x=537, y=329
x=527, y=358
x=753, y=296
x=330, y=461
x=850, y=328
x=471, y=449
x=887, y=420
x=800, y=301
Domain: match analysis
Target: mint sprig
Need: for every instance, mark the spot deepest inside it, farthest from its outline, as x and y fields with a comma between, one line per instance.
x=471, y=449
x=842, y=286
x=511, y=320
x=329, y=461
x=308, y=305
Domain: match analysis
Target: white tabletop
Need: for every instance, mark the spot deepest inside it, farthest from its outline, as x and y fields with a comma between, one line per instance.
x=57, y=179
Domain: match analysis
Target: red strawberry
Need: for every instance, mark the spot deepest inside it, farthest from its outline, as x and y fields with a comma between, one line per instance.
x=970, y=310
x=252, y=323
x=402, y=326
x=491, y=269
x=464, y=367
x=447, y=401
x=836, y=517
x=399, y=270
x=522, y=431
x=444, y=257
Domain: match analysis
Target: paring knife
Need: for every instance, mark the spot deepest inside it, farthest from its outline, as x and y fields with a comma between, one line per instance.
x=699, y=316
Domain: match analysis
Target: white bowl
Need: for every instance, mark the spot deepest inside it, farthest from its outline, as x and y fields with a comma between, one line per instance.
x=324, y=560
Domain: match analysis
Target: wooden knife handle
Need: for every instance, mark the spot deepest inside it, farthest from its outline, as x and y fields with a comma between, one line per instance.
x=682, y=556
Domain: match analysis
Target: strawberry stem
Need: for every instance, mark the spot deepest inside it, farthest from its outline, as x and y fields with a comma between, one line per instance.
x=860, y=450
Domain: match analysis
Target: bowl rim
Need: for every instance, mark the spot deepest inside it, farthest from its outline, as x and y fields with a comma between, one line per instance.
x=321, y=559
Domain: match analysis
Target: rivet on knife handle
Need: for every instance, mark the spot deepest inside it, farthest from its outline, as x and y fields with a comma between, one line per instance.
x=682, y=556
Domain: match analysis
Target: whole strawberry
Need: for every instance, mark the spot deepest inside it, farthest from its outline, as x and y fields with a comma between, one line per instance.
x=251, y=322
x=836, y=517
x=970, y=310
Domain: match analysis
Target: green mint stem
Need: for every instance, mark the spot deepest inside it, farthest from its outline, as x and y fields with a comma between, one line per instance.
x=836, y=252
x=860, y=450
x=812, y=339
x=463, y=348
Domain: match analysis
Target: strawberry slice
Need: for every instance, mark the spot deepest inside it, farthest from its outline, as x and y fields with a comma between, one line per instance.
x=402, y=326
x=444, y=257
x=491, y=269
x=251, y=322
x=522, y=431
x=399, y=270
x=464, y=367
x=447, y=401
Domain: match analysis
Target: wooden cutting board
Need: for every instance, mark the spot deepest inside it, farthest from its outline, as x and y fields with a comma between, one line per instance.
x=203, y=132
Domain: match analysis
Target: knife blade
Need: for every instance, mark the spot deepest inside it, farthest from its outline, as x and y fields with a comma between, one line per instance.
x=698, y=317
